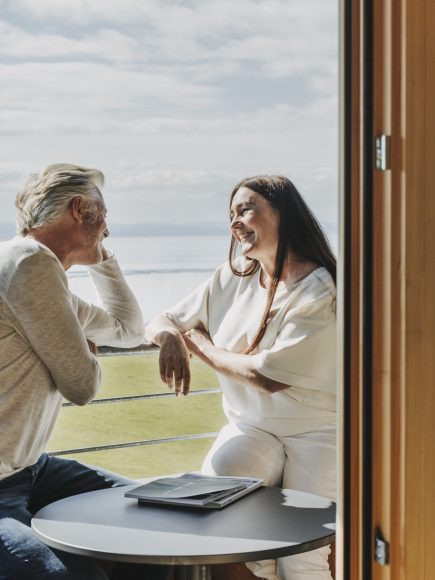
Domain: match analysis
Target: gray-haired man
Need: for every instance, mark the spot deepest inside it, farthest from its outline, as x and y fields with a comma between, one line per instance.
x=48, y=341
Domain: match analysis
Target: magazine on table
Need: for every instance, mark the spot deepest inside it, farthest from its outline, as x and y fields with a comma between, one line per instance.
x=194, y=490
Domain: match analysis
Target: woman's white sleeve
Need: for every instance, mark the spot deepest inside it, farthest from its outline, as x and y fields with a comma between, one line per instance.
x=304, y=352
x=192, y=311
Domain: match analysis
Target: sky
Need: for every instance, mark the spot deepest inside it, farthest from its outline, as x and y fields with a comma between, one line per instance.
x=174, y=100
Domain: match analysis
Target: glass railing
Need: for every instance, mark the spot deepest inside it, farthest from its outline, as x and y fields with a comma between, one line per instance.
x=136, y=426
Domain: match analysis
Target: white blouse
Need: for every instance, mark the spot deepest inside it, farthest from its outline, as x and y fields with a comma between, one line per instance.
x=297, y=349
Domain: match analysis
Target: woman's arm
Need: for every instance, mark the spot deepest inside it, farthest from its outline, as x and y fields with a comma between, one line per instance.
x=238, y=367
x=174, y=357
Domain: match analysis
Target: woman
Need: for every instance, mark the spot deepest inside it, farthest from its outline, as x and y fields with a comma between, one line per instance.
x=265, y=321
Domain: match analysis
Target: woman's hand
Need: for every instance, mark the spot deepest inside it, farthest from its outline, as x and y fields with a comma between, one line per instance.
x=197, y=341
x=174, y=362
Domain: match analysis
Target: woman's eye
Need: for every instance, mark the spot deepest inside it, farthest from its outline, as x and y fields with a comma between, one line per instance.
x=240, y=212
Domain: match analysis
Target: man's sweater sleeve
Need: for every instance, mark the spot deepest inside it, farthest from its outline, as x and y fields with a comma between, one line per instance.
x=117, y=321
x=42, y=304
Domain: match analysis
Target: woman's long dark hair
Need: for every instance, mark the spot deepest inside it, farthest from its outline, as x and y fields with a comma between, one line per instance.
x=300, y=234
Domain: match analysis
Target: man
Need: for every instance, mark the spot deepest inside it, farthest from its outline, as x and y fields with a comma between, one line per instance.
x=48, y=341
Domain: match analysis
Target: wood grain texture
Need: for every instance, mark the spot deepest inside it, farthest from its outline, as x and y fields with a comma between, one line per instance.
x=418, y=381
x=402, y=293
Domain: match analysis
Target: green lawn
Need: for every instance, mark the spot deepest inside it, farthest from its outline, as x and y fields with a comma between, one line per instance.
x=138, y=420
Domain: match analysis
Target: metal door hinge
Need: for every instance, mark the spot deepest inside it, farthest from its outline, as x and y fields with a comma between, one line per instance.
x=382, y=549
x=382, y=152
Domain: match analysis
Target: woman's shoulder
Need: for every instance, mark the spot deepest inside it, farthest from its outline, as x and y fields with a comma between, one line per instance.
x=322, y=281
x=315, y=292
x=224, y=271
x=317, y=283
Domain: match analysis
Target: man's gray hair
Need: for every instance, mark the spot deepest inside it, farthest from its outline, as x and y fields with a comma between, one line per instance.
x=46, y=196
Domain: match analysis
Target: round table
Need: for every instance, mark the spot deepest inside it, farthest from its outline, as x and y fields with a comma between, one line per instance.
x=268, y=523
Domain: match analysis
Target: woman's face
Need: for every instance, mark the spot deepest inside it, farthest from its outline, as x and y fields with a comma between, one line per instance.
x=255, y=225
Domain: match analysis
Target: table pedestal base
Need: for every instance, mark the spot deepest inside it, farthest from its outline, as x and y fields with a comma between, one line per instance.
x=198, y=572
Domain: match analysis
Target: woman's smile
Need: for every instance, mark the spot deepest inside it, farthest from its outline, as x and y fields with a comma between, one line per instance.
x=245, y=236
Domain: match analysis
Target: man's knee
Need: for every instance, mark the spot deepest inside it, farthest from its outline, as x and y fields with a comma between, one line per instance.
x=23, y=556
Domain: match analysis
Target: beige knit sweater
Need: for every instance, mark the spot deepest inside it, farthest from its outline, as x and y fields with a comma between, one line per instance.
x=44, y=356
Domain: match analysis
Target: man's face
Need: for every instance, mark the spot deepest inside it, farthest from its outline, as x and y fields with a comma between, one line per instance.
x=93, y=231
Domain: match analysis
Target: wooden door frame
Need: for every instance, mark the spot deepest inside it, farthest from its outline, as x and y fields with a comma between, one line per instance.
x=352, y=485
x=387, y=289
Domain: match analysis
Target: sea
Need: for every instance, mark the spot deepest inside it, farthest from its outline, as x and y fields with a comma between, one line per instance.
x=160, y=270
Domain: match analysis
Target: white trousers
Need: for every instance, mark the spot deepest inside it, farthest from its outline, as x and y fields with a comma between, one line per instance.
x=306, y=462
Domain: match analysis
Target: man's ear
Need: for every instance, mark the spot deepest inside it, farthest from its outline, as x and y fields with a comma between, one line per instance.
x=77, y=207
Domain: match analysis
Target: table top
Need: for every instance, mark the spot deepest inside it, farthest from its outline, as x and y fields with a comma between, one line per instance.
x=268, y=523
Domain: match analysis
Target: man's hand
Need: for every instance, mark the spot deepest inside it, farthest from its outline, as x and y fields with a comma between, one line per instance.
x=92, y=347
x=174, y=362
x=105, y=253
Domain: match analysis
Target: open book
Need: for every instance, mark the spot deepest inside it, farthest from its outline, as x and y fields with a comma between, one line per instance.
x=194, y=490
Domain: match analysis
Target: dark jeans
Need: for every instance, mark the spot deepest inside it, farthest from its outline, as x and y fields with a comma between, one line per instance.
x=22, y=555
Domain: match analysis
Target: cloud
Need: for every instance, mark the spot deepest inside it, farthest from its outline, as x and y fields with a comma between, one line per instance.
x=87, y=80
x=279, y=37
x=68, y=110
x=21, y=45
x=90, y=96
x=206, y=91
x=183, y=17
x=133, y=175
x=10, y=171
x=146, y=191
x=93, y=65
x=81, y=13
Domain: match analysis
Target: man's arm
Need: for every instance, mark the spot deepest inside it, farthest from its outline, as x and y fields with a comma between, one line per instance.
x=41, y=302
x=118, y=320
